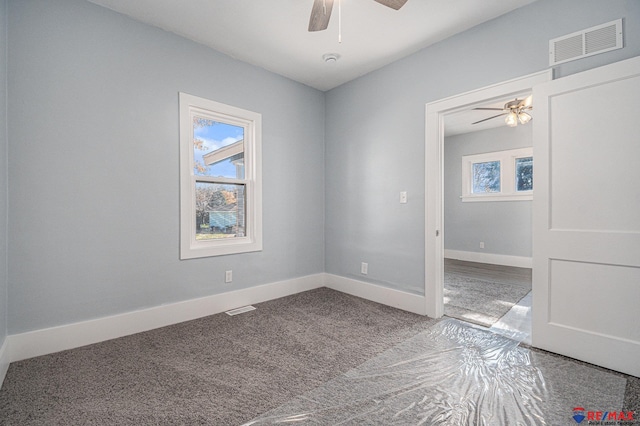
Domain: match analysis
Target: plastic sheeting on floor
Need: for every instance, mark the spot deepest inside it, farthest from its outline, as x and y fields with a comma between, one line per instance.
x=454, y=374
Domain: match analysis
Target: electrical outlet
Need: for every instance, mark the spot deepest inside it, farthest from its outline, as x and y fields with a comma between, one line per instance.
x=228, y=276
x=364, y=268
x=481, y=244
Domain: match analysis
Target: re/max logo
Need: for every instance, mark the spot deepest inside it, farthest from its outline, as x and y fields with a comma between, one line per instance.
x=579, y=415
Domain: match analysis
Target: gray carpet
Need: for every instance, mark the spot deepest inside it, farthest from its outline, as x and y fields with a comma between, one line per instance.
x=218, y=370
x=481, y=301
x=223, y=370
x=456, y=374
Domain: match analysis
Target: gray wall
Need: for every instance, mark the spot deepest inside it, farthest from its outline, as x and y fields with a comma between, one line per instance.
x=93, y=155
x=505, y=226
x=375, y=129
x=3, y=172
x=93, y=170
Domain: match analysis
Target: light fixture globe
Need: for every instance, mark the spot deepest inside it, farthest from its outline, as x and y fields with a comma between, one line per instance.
x=524, y=118
x=511, y=119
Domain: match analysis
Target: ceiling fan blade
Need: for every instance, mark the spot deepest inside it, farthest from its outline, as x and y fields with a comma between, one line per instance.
x=527, y=102
x=489, y=109
x=487, y=119
x=393, y=4
x=320, y=14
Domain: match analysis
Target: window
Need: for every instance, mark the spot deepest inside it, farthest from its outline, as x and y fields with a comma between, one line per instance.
x=220, y=187
x=524, y=174
x=498, y=176
x=486, y=177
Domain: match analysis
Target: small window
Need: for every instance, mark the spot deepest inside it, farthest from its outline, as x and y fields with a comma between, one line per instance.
x=220, y=198
x=524, y=174
x=498, y=176
x=486, y=177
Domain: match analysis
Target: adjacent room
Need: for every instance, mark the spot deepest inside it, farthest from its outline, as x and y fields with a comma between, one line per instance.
x=260, y=212
x=488, y=194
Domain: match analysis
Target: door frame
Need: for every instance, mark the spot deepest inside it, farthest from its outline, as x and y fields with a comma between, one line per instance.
x=434, y=175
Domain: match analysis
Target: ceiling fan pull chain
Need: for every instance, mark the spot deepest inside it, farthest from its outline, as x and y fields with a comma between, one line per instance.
x=339, y=21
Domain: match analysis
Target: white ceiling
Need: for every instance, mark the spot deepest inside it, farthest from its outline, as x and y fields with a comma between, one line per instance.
x=272, y=34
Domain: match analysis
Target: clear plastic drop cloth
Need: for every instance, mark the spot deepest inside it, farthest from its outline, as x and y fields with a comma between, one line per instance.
x=452, y=374
x=516, y=324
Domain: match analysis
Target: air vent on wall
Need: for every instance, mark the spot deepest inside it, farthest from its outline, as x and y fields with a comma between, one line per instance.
x=594, y=40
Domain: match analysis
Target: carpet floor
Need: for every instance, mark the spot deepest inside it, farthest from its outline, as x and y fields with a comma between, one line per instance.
x=223, y=370
x=482, y=294
x=218, y=370
x=456, y=374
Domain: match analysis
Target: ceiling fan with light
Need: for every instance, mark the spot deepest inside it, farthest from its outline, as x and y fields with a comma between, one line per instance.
x=321, y=12
x=515, y=111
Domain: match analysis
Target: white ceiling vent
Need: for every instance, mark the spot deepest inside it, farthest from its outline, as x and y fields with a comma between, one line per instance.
x=594, y=40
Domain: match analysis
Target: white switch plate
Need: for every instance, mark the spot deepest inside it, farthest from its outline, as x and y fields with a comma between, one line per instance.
x=481, y=244
x=364, y=268
x=228, y=276
x=403, y=197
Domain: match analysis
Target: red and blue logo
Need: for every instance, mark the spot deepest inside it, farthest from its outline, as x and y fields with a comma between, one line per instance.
x=598, y=417
x=578, y=414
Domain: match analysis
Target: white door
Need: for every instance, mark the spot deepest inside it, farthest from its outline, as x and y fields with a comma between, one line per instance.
x=586, y=216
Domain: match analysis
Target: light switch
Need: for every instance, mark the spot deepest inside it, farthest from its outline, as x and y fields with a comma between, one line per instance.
x=403, y=197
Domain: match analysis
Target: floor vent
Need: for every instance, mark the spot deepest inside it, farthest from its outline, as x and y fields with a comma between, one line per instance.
x=240, y=310
x=594, y=40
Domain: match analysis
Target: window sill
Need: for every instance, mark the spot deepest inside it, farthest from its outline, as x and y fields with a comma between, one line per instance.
x=219, y=248
x=496, y=197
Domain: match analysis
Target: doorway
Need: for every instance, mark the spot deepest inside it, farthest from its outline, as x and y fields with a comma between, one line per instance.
x=487, y=199
x=436, y=113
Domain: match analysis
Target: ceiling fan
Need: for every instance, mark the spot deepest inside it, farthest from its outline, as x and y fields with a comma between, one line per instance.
x=321, y=12
x=515, y=111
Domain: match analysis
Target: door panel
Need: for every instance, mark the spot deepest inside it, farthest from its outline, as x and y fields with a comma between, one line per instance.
x=586, y=234
x=603, y=158
x=599, y=283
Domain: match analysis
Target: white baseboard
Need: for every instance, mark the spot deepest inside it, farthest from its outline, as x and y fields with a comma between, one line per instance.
x=49, y=340
x=494, y=259
x=4, y=360
x=384, y=295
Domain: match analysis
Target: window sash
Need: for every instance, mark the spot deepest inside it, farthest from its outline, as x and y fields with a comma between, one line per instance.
x=508, y=188
x=190, y=246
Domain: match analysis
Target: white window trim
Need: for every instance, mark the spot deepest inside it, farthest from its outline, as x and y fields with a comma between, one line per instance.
x=252, y=123
x=507, y=176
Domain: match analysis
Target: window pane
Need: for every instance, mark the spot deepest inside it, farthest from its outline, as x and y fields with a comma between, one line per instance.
x=486, y=177
x=220, y=211
x=218, y=149
x=524, y=174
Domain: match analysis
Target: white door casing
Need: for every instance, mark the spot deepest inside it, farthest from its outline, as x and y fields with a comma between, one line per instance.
x=434, y=157
x=586, y=216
